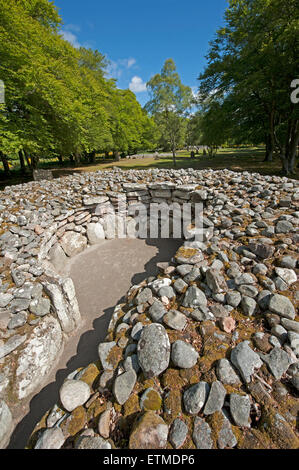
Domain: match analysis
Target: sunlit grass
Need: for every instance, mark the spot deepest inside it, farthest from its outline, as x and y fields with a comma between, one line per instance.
x=236, y=159
x=247, y=159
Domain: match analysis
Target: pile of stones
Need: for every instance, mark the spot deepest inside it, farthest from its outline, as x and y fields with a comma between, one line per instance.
x=205, y=355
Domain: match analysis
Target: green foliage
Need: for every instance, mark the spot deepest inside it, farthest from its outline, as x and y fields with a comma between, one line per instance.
x=58, y=99
x=252, y=62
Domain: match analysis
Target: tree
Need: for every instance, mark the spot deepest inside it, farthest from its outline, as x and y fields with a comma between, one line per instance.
x=58, y=99
x=132, y=129
x=169, y=104
x=213, y=127
x=252, y=62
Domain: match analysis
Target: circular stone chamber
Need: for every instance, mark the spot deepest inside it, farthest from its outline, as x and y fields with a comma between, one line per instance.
x=202, y=351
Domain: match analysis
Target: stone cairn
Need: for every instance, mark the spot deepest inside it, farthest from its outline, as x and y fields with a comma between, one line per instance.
x=205, y=355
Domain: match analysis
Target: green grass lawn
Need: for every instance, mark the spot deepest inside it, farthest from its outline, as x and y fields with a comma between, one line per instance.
x=247, y=159
x=239, y=159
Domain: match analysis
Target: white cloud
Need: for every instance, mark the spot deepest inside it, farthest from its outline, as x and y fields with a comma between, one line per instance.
x=116, y=68
x=127, y=63
x=71, y=38
x=72, y=27
x=137, y=85
x=131, y=62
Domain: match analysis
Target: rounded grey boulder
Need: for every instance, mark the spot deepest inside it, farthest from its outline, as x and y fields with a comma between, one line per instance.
x=153, y=350
x=195, y=397
x=74, y=393
x=183, y=355
x=52, y=438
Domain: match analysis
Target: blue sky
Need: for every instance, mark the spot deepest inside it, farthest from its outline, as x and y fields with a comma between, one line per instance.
x=137, y=36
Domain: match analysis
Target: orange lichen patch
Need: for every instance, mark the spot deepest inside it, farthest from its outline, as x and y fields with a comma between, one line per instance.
x=131, y=407
x=31, y=317
x=246, y=326
x=43, y=422
x=236, y=389
x=213, y=350
x=216, y=421
x=191, y=376
x=289, y=405
x=115, y=356
x=184, y=252
x=207, y=329
x=278, y=429
x=252, y=439
x=143, y=383
x=130, y=297
x=96, y=408
x=75, y=422
x=90, y=374
x=290, y=293
x=209, y=376
x=185, y=310
x=171, y=379
x=189, y=444
x=120, y=334
x=110, y=336
x=143, y=318
x=172, y=405
x=173, y=335
x=153, y=401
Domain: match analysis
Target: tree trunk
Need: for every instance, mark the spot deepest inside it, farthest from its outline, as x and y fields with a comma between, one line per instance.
x=285, y=163
x=116, y=155
x=210, y=151
x=289, y=151
x=5, y=164
x=22, y=162
x=60, y=159
x=293, y=149
x=77, y=157
x=269, y=149
x=29, y=164
x=174, y=157
x=92, y=157
x=34, y=162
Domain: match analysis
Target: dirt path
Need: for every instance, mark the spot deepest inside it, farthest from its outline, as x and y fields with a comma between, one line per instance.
x=102, y=275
